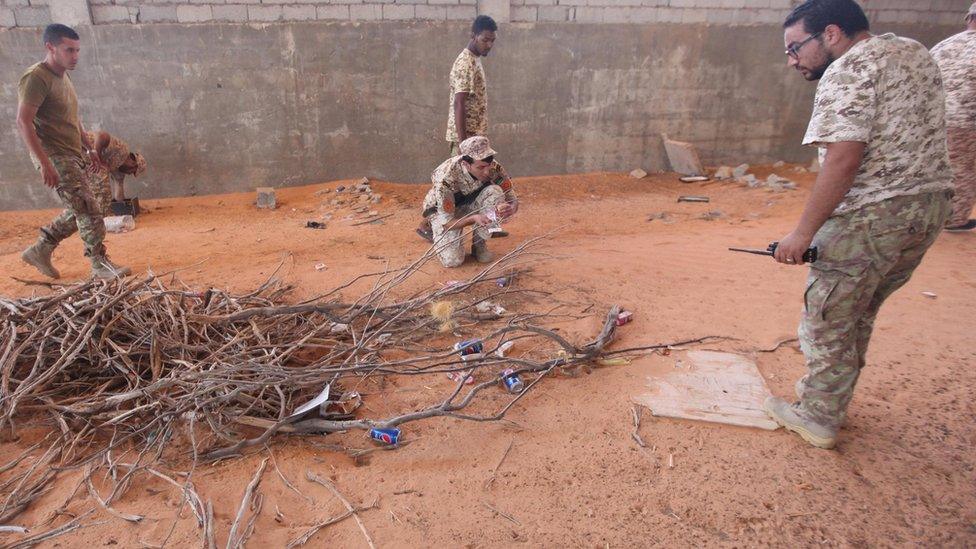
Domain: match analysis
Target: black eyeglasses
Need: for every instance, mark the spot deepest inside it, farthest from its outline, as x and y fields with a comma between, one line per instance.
x=794, y=50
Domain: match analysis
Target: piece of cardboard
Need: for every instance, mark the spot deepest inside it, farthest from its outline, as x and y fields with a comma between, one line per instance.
x=710, y=386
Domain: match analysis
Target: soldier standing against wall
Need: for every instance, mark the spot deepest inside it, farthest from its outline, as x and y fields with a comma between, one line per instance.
x=956, y=57
x=47, y=118
x=879, y=202
x=468, y=112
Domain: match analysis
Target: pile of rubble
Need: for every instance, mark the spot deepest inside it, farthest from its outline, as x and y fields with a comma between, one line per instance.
x=741, y=174
x=358, y=198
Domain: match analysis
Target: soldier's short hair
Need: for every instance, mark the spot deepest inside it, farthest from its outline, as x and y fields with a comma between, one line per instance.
x=818, y=14
x=483, y=23
x=55, y=33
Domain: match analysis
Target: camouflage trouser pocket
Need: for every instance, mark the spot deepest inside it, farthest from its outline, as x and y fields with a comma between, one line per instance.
x=835, y=293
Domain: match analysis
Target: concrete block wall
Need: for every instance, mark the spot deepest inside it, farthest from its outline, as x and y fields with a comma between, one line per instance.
x=36, y=13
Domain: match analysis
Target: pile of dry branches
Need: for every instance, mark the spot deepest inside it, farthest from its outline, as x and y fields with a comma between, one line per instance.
x=124, y=369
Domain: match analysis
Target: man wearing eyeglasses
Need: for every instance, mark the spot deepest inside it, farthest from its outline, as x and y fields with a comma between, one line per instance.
x=956, y=57
x=878, y=203
x=468, y=189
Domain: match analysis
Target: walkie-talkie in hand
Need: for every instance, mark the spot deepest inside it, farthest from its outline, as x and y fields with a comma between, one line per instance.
x=809, y=256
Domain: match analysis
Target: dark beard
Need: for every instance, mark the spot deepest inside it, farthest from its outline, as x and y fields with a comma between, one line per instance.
x=817, y=73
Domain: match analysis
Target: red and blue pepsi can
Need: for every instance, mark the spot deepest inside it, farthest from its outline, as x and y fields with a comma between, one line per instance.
x=470, y=347
x=386, y=436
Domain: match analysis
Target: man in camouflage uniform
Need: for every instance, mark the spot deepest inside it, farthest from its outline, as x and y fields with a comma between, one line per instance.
x=468, y=114
x=47, y=117
x=956, y=57
x=467, y=190
x=880, y=199
x=117, y=162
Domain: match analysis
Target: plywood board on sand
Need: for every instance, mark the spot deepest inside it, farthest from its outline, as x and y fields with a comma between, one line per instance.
x=710, y=386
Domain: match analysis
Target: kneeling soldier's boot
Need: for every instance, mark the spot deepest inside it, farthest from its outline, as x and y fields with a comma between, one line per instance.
x=791, y=417
x=39, y=256
x=480, y=251
x=103, y=268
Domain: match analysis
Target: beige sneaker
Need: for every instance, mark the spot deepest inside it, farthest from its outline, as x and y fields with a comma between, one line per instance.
x=102, y=267
x=39, y=257
x=787, y=415
x=479, y=249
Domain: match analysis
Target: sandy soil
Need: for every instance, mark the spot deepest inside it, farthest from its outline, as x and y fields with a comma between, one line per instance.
x=903, y=473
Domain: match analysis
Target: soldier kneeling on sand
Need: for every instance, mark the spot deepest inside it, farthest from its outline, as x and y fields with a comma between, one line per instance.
x=468, y=189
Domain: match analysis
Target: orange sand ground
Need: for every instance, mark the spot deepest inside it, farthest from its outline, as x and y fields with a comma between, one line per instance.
x=903, y=473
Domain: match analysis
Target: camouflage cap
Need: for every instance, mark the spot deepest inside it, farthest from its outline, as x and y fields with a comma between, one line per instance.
x=140, y=164
x=476, y=147
x=972, y=11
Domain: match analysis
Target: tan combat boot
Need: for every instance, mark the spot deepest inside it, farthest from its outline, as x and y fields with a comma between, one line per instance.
x=479, y=249
x=39, y=257
x=102, y=267
x=788, y=416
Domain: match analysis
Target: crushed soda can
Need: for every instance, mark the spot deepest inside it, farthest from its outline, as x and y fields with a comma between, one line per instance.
x=503, y=281
x=347, y=404
x=504, y=348
x=457, y=376
x=513, y=383
x=314, y=225
x=471, y=349
x=624, y=317
x=452, y=283
x=385, y=436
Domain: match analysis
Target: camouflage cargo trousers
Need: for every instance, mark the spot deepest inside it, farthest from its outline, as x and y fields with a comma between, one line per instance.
x=86, y=198
x=864, y=257
x=962, y=156
x=450, y=244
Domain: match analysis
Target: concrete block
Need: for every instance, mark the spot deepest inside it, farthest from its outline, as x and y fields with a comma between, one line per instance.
x=110, y=14
x=366, y=12
x=32, y=17
x=266, y=198
x=461, y=13
x=617, y=3
x=423, y=2
x=304, y=12
x=157, y=14
x=684, y=3
x=553, y=13
x=231, y=12
x=782, y=5
x=655, y=3
x=7, y=18
x=431, y=13
x=694, y=15
x=719, y=17
x=398, y=12
x=193, y=14
x=15, y=3
x=683, y=157
x=524, y=14
x=445, y=2
x=264, y=13
x=631, y=15
x=588, y=15
x=499, y=10
x=70, y=12
x=338, y=11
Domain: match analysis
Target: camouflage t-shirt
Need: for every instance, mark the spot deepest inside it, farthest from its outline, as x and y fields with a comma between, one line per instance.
x=956, y=57
x=467, y=75
x=453, y=183
x=886, y=92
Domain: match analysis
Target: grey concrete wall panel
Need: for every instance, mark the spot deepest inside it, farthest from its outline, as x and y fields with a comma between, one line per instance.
x=229, y=107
